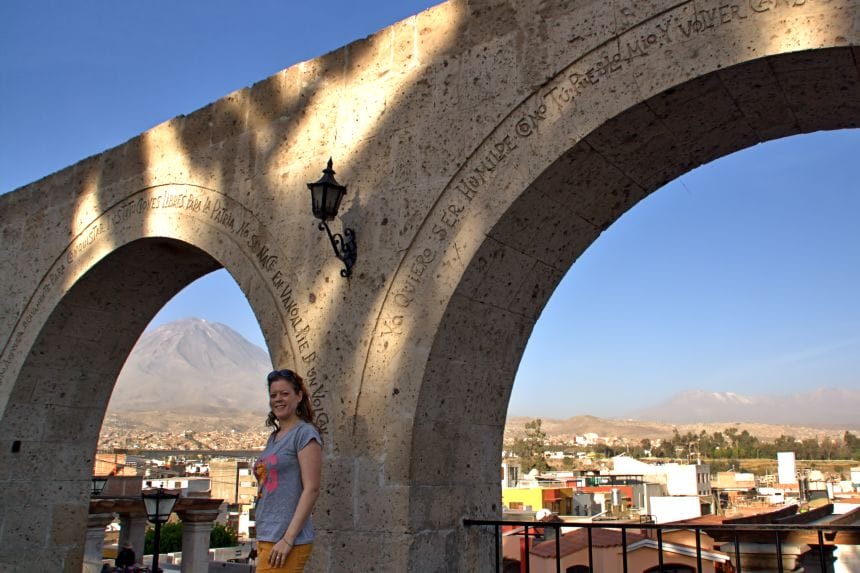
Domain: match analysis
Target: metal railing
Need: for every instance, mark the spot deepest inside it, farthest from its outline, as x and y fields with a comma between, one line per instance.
x=823, y=536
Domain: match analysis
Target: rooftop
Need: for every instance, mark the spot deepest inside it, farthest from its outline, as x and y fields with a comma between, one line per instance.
x=578, y=540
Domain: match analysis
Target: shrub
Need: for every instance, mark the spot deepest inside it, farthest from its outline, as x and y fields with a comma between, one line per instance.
x=223, y=536
x=170, y=540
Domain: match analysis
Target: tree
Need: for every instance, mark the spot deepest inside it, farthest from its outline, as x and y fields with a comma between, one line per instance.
x=664, y=449
x=809, y=449
x=529, y=449
x=169, y=538
x=785, y=443
x=718, y=445
x=568, y=463
x=828, y=448
x=606, y=450
x=222, y=536
x=852, y=445
x=747, y=445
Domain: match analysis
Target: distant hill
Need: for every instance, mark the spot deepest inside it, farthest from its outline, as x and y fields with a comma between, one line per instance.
x=199, y=375
x=192, y=368
x=635, y=430
x=581, y=425
x=823, y=407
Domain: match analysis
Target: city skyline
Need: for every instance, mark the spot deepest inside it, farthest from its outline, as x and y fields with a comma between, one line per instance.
x=738, y=276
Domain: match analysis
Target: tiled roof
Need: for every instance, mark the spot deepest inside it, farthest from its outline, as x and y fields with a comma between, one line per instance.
x=578, y=540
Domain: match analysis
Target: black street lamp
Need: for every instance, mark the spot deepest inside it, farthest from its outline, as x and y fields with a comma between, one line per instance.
x=98, y=485
x=326, y=195
x=159, y=505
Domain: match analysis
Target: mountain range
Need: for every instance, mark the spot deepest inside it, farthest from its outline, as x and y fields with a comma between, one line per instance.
x=193, y=369
x=823, y=407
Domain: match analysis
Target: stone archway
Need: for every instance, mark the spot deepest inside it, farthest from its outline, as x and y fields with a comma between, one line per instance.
x=471, y=365
x=97, y=298
x=486, y=144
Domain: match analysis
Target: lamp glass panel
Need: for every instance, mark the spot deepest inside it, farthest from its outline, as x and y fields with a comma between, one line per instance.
x=333, y=197
x=317, y=200
x=151, y=504
x=166, y=507
x=325, y=214
x=159, y=505
x=99, y=484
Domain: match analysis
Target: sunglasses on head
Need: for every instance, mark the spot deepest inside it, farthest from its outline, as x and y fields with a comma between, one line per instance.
x=275, y=374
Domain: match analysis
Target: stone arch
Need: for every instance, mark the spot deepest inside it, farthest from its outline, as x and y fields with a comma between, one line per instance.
x=95, y=301
x=573, y=197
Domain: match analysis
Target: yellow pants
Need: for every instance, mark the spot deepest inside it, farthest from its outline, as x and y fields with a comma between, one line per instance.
x=296, y=558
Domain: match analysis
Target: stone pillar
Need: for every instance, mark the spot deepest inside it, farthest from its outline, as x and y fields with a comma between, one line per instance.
x=196, y=528
x=96, y=523
x=132, y=528
x=811, y=560
x=762, y=556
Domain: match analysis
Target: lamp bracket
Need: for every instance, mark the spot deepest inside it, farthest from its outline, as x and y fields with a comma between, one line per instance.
x=345, y=249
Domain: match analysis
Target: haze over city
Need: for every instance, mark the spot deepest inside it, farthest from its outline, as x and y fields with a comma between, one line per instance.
x=739, y=276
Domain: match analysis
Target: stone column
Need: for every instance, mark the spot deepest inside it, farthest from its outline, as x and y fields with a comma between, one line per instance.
x=132, y=528
x=811, y=560
x=96, y=523
x=196, y=528
x=762, y=556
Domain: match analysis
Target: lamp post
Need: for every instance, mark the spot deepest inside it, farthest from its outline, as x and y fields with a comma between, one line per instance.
x=159, y=505
x=326, y=195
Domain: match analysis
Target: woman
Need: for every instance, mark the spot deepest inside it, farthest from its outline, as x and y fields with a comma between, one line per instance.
x=288, y=474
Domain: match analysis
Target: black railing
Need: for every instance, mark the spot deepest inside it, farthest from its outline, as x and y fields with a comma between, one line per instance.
x=823, y=537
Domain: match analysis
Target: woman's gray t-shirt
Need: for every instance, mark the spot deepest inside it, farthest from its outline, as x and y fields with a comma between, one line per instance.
x=279, y=484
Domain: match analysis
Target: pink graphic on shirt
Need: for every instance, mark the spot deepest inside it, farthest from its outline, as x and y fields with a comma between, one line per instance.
x=266, y=474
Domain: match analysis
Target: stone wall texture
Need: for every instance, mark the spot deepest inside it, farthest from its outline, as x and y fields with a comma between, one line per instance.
x=485, y=144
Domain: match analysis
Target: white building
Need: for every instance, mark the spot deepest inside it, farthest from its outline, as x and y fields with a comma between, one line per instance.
x=678, y=479
x=510, y=472
x=675, y=508
x=786, y=467
x=690, y=484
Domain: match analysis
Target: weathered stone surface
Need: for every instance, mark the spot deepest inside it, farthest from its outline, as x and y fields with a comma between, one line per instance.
x=485, y=144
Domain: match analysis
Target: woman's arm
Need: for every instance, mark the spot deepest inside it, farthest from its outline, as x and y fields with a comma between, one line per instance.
x=310, y=461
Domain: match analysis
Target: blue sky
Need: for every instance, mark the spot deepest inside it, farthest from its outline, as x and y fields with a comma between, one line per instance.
x=740, y=276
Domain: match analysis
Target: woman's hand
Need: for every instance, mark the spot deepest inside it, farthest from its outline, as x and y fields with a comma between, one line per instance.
x=279, y=552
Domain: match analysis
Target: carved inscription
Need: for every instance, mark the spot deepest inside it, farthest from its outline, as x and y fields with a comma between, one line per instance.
x=221, y=213
x=216, y=211
x=560, y=96
x=475, y=179
x=392, y=325
x=420, y=262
